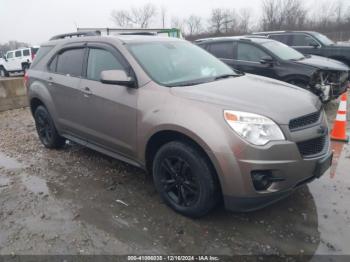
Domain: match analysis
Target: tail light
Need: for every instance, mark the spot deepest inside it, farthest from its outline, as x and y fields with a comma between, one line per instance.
x=33, y=56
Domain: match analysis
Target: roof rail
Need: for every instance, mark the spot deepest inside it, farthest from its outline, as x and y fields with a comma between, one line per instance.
x=138, y=33
x=76, y=34
x=255, y=36
x=268, y=32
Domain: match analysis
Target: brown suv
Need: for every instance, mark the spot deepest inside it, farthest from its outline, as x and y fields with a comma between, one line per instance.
x=165, y=105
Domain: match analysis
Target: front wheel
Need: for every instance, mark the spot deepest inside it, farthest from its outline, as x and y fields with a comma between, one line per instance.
x=46, y=129
x=184, y=179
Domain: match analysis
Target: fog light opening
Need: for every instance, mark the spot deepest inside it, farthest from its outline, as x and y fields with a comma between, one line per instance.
x=262, y=180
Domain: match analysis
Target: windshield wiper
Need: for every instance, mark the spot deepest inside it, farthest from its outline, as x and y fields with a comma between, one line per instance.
x=186, y=84
x=298, y=59
x=226, y=76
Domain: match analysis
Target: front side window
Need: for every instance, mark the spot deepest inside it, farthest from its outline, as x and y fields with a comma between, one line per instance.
x=251, y=53
x=70, y=62
x=178, y=63
x=303, y=40
x=18, y=53
x=100, y=60
x=9, y=55
x=222, y=50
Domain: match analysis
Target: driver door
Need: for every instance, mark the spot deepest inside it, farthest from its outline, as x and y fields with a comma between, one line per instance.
x=110, y=110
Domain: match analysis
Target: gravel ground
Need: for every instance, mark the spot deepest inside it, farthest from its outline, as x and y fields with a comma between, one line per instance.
x=77, y=201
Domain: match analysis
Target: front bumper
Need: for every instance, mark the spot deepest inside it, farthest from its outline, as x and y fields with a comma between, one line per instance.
x=289, y=161
x=263, y=199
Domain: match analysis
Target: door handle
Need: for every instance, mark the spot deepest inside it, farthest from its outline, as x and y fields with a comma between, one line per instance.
x=87, y=91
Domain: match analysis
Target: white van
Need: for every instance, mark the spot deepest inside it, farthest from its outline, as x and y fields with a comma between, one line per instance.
x=18, y=60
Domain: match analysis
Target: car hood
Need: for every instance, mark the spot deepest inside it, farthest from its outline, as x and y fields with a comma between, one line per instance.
x=323, y=63
x=277, y=100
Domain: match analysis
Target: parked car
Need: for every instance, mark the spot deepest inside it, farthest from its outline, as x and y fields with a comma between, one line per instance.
x=18, y=60
x=165, y=105
x=261, y=56
x=313, y=43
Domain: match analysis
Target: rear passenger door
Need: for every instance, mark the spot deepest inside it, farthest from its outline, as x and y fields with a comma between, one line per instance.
x=62, y=81
x=110, y=109
x=223, y=51
x=248, y=59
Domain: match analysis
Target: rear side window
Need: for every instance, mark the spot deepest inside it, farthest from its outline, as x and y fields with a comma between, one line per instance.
x=303, y=40
x=251, y=53
x=26, y=52
x=101, y=60
x=280, y=38
x=70, y=62
x=18, y=53
x=43, y=51
x=222, y=50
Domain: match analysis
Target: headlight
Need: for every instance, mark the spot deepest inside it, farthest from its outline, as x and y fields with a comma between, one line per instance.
x=256, y=129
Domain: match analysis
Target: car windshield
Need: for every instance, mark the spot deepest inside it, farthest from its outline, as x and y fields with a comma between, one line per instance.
x=323, y=39
x=179, y=63
x=283, y=51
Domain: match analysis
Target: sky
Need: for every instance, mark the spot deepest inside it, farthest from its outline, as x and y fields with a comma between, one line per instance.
x=35, y=21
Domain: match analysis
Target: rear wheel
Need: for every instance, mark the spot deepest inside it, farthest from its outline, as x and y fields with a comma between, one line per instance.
x=3, y=72
x=185, y=179
x=46, y=129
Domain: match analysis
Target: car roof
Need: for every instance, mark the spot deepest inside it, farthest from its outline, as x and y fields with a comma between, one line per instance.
x=282, y=32
x=254, y=39
x=119, y=38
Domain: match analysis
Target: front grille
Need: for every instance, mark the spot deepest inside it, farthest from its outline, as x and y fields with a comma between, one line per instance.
x=304, y=121
x=312, y=147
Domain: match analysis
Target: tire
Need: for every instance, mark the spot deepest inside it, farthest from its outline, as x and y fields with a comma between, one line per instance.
x=185, y=180
x=46, y=129
x=4, y=73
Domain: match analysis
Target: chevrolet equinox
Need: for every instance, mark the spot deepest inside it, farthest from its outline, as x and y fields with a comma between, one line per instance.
x=205, y=132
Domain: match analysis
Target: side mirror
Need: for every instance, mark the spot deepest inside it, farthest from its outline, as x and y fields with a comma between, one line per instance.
x=117, y=77
x=314, y=45
x=267, y=60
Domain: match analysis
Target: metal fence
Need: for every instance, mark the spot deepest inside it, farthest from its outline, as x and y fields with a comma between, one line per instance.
x=339, y=36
